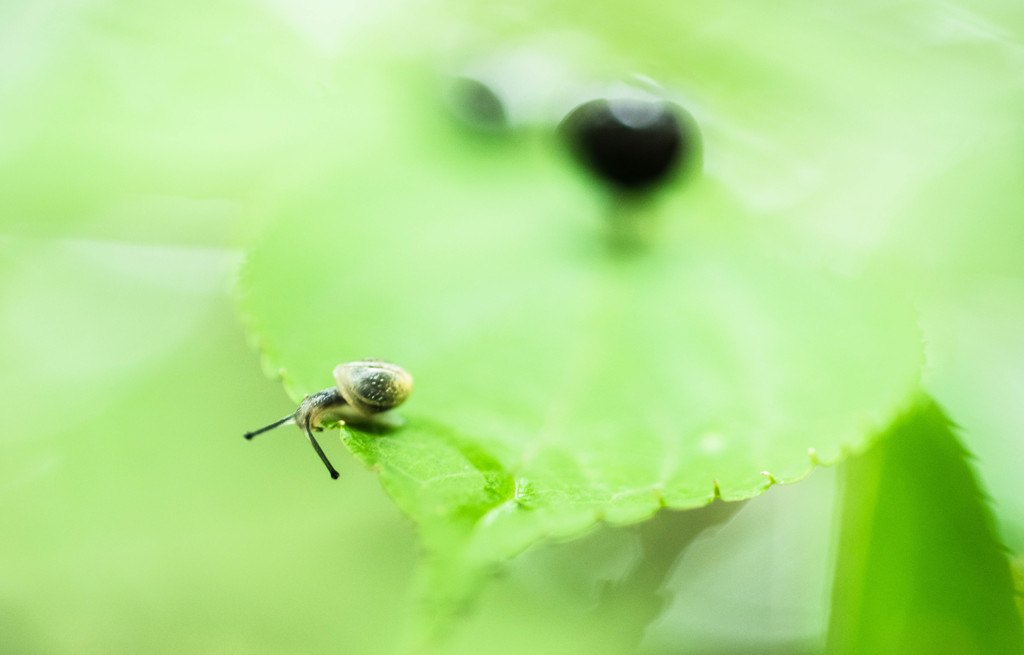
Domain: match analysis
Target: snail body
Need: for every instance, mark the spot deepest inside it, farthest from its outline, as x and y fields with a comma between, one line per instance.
x=363, y=388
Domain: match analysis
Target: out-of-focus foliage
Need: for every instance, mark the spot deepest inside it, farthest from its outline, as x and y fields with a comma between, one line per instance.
x=919, y=568
x=116, y=110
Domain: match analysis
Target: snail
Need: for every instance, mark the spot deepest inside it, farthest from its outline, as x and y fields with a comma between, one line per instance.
x=364, y=388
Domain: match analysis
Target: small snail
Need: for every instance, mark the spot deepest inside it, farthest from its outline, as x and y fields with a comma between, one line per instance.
x=364, y=388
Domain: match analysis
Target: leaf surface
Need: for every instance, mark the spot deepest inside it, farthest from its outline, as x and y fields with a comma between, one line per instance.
x=561, y=376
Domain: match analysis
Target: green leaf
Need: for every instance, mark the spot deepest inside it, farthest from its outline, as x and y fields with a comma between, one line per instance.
x=561, y=379
x=920, y=569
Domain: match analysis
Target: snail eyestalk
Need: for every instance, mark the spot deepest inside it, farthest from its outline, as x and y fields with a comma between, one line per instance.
x=309, y=433
x=323, y=457
x=265, y=428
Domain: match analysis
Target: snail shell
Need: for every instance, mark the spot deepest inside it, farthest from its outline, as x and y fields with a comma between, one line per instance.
x=371, y=386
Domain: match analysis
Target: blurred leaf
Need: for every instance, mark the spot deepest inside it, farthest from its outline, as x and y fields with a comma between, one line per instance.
x=633, y=602
x=759, y=584
x=920, y=568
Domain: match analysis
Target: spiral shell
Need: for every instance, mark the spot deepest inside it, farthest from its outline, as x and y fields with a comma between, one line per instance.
x=371, y=386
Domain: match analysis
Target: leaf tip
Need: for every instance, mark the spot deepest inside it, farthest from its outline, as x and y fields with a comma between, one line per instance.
x=659, y=496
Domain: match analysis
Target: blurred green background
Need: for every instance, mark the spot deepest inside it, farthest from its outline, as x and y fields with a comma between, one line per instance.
x=137, y=142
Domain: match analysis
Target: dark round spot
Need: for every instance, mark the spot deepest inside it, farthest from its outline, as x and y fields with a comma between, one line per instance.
x=632, y=144
x=476, y=104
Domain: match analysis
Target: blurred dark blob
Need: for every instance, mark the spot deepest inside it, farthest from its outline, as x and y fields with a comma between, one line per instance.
x=633, y=144
x=476, y=104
